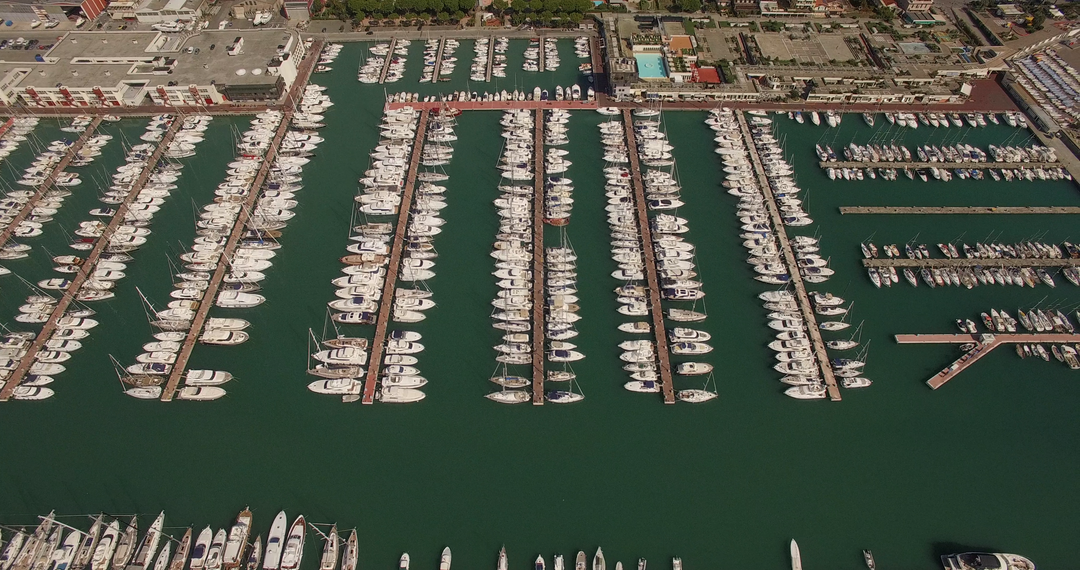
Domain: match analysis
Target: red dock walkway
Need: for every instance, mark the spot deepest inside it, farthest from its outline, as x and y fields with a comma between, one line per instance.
x=6, y=234
x=87, y=266
x=986, y=343
x=7, y=125
x=392, y=269
x=793, y=267
x=538, y=264
x=667, y=386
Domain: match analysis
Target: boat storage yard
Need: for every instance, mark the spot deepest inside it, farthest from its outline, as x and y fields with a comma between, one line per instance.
x=447, y=248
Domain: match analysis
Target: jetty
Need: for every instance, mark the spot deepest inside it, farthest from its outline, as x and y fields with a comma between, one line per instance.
x=946, y=165
x=985, y=343
x=659, y=330
x=47, y=185
x=538, y=264
x=972, y=262
x=801, y=296
x=386, y=64
x=438, y=60
x=497, y=105
x=904, y=210
x=542, y=60
x=87, y=267
x=386, y=303
x=490, y=59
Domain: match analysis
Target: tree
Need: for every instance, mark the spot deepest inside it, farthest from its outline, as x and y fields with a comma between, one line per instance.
x=1037, y=20
x=576, y=17
x=499, y=6
x=459, y=16
x=442, y=17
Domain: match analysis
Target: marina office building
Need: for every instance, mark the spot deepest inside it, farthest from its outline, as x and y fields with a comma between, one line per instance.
x=126, y=69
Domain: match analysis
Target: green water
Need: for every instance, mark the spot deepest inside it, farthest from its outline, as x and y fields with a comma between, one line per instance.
x=986, y=462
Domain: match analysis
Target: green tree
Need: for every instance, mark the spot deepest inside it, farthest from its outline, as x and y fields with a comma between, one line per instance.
x=459, y=16
x=442, y=17
x=499, y=6
x=576, y=17
x=546, y=16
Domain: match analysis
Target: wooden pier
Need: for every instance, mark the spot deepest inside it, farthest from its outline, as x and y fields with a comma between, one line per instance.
x=793, y=268
x=948, y=165
x=386, y=303
x=904, y=210
x=539, y=271
x=87, y=267
x=224, y=262
x=386, y=64
x=984, y=344
x=667, y=386
x=30, y=204
x=541, y=60
x=490, y=59
x=971, y=262
x=438, y=60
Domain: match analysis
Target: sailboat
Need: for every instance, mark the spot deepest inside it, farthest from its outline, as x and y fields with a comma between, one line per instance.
x=179, y=559
x=330, y=550
x=598, y=562
x=126, y=546
x=352, y=551
x=700, y=395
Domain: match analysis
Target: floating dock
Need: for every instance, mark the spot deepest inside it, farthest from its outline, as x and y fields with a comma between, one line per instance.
x=386, y=304
x=984, y=344
x=793, y=268
x=971, y=262
x=539, y=270
x=30, y=204
x=667, y=386
x=490, y=59
x=946, y=165
x=386, y=64
x=438, y=60
x=541, y=61
x=1040, y=210
x=87, y=267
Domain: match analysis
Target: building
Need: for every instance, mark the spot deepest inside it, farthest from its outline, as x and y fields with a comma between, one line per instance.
x=1009, y=11
x=916, y=5
x=157, y=11
x=127, y=69
x=298, y=10
x=745, y=7
x=26, y=11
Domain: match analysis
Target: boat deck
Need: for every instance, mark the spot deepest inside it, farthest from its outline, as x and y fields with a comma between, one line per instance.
x=386, y=64
x=386, y=303
x=667, y=386
x=793, y=268
x=948, y=165
x=986, y=343
x=29, y=206
x=538, y=264
x=970, y=262
x=1041, y=210
x=86, y=269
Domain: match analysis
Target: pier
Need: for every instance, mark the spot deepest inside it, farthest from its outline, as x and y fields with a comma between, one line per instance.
x=86, y=269
x=972, y=262
x=7, y=125
x=659, y=330
x=386, y=303
x=959, y=210
x=541, y=60
x=538, y=264
x=793, y=268
x=386, y=64
x=490, y=59
x=985, y=344
x=438, y=60
x=497, y=105
x=948, y=165
x=30, y=204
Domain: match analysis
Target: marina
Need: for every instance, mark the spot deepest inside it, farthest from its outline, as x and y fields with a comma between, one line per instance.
x=534, y=447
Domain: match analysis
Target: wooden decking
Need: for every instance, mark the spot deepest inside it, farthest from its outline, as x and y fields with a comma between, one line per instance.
x=542, y=60
x=970, y=262
x=386, y=303
x=948, y=165
x=667, y=386
x=793, y=268
x=905, y=210
x=386, y=64
x=87, y=267
x=491, y=59
x=985, y=343
x=29, y=206
x=539, y=271
x=438, y=60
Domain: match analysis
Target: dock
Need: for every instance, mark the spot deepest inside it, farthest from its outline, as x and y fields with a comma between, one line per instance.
x=971, y=262
x=438, y=60
x=7, y=125
x=490, y=59
x=985, y=344
x=948, y=165
x=86, y=269
x=541, y=60
x=793, y=268
x=497, y=105
x=904, y=210
x=597, y=59
x=30, y=204
x=386, y=302
x=386, y=64
x=539, y=271
x=667, y=386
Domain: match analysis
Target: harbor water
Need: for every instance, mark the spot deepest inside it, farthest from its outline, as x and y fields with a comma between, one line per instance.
x=988, y=462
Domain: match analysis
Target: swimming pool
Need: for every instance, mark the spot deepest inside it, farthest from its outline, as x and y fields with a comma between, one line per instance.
x=650, y=66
